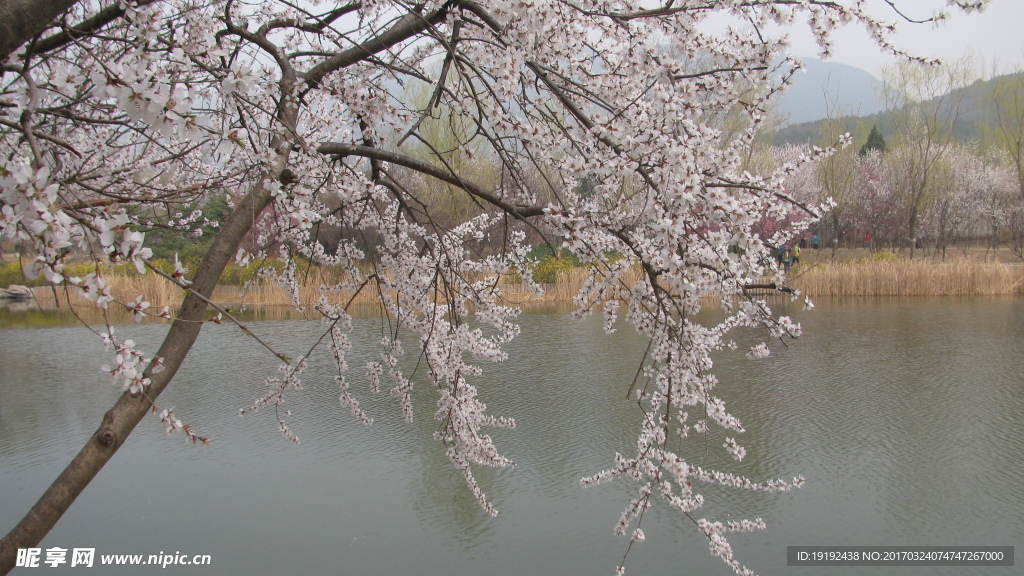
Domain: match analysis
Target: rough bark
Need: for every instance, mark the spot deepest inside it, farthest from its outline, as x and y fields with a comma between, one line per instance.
x=21, y=20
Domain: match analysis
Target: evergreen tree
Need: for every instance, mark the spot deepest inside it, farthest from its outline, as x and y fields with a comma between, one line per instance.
x=875, y=142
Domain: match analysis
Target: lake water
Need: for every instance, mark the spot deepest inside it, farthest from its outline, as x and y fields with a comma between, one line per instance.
x=905, y=416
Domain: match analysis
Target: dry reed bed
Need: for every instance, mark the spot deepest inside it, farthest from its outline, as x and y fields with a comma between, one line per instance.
x=160, y=292
x=960, y=277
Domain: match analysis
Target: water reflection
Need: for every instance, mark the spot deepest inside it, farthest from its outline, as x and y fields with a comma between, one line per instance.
x=903, y=415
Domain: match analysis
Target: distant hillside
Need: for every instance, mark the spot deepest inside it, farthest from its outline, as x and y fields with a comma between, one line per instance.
x=823, y=87
x=977, y=114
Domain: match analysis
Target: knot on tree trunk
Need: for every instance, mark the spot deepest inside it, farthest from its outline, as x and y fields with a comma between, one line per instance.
x=107, y=436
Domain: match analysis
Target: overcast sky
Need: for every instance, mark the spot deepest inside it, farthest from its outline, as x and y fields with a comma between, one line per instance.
x=998, y=33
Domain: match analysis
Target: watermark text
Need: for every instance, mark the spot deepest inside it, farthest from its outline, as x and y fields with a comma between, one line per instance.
x=87, y=557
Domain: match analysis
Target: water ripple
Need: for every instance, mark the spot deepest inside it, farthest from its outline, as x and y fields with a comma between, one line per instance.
x=903, y=416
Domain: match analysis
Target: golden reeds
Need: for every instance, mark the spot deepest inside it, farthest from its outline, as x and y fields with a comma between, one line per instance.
x=898, y=277
x=266, y=293
x=865, y=277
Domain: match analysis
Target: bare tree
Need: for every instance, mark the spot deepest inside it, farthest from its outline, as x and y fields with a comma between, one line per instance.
x=835, y=174
x=1008, y=96
x=924, y=104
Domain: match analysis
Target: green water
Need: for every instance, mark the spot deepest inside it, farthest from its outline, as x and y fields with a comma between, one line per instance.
x=905, y=416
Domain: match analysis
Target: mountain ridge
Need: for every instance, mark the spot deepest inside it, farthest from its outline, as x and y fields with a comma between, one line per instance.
x=977, y=116
x=824, y=87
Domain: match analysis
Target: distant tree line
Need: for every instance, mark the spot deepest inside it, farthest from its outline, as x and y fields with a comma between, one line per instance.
x=919, y=186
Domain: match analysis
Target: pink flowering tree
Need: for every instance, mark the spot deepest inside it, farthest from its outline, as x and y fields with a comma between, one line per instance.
x=876, y=207
x=117, y=115
x=801, y=184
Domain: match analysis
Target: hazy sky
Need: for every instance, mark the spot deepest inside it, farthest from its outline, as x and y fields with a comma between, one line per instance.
x=998, y=33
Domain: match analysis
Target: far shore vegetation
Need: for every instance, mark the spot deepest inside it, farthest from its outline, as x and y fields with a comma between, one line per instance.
x=973, y=271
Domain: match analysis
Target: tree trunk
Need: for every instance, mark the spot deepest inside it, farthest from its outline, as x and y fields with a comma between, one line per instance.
x=120, y=420
x=20, y=20
x=912, y=231
x=835, y=235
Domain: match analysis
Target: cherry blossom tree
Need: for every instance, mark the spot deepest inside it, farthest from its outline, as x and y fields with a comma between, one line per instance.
x=877, y=208
x=1001, y=203
x=1009, y=102
x=119, y=117
x=801, y=185
x=963, y=183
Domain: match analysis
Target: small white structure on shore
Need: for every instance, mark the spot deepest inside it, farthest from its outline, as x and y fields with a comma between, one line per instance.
x=16, y=292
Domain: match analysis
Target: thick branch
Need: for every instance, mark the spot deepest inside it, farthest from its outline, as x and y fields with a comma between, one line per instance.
x=342, y=150
x=408, y=26
x=85, y=27
x=20, y=20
